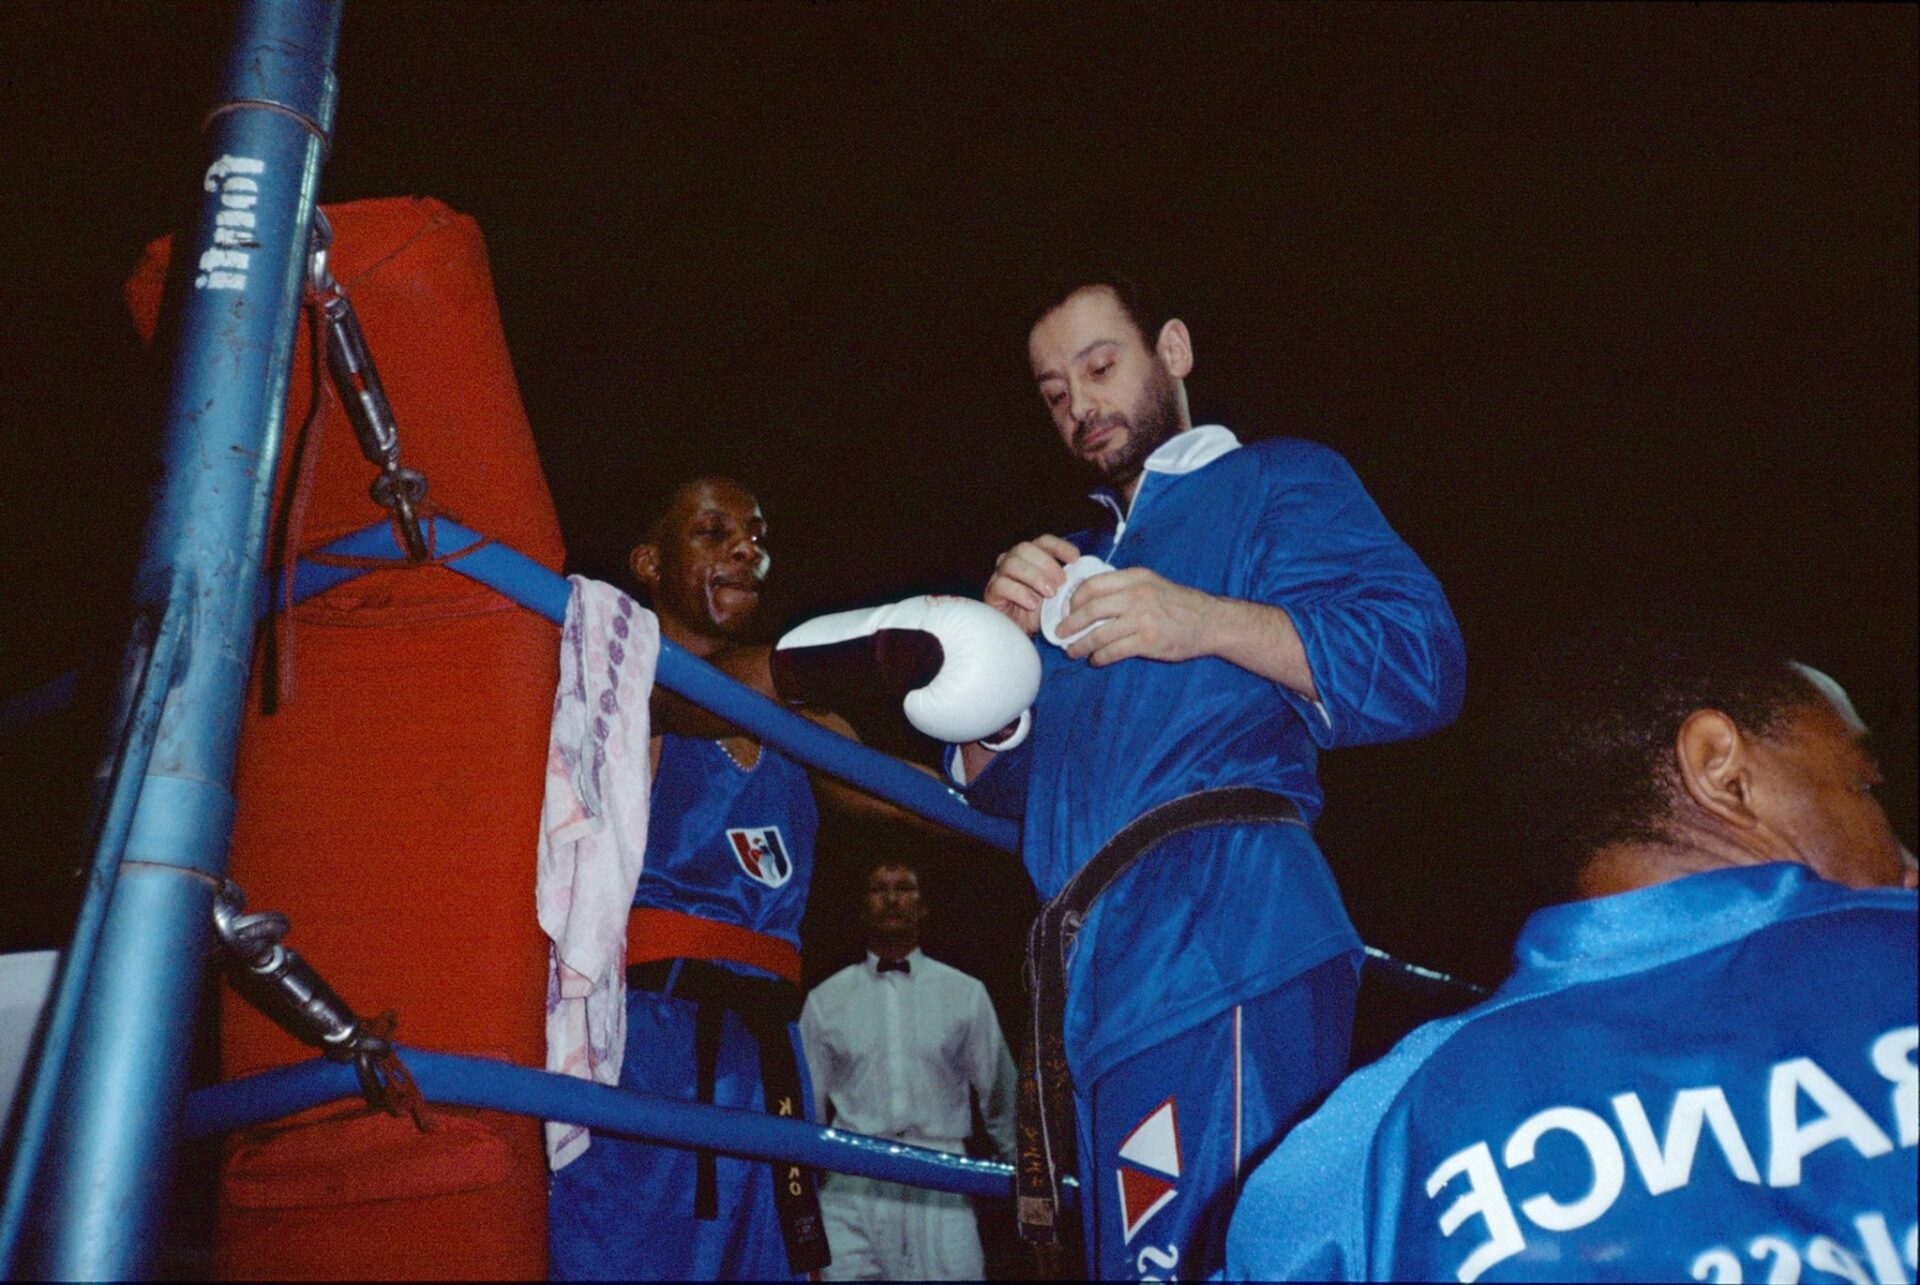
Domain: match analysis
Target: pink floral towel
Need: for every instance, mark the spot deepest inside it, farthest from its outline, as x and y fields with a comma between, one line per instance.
x=593, y=834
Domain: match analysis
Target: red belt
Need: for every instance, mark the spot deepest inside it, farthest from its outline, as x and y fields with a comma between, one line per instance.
x=654, y=934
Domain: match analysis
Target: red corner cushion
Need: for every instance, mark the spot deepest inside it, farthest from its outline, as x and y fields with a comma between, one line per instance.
x=418, y=277
x=391, y=806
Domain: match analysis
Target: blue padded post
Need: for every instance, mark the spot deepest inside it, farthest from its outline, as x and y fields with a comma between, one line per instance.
x=88, y=1188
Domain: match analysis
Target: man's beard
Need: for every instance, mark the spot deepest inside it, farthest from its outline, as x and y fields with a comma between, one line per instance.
x=1154, y=419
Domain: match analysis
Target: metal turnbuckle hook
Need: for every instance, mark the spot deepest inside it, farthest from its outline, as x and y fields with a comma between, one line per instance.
x=399, y=490
x=291, y=991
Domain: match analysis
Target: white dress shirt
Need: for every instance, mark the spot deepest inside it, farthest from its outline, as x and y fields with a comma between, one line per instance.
x=893, y=1054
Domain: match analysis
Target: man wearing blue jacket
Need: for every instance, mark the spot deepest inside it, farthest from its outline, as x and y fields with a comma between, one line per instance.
x=1703, y=1065
x=1252, y=608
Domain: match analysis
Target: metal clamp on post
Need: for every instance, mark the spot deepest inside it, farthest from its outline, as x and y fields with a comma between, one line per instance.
x=288, y=989
x=397, y=489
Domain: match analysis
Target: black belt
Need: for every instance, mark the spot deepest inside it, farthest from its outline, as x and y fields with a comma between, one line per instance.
x=766, y=1007
x=1044, y=1114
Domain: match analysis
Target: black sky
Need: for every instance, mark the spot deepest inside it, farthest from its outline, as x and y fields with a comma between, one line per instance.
x=1608, y=305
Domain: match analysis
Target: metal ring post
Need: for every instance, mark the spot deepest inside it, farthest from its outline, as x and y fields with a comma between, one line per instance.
x=92, y=1205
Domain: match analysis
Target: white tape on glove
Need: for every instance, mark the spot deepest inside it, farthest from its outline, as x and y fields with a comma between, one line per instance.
x=1055, y=609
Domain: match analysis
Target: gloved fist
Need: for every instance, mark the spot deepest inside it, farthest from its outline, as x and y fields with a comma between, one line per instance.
x=963, y=670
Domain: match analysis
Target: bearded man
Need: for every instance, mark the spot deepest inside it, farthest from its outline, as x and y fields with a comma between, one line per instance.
x=1243, y=608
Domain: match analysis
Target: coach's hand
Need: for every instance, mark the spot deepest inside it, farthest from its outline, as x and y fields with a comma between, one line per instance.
x=1145, y=614
x=1026, y=574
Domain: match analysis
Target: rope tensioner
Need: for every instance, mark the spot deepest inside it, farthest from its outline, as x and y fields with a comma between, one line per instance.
x=398, y=489
x=291, y=991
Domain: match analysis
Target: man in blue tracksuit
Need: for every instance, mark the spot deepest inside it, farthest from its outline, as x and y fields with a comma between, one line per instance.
x=1703, y=1065
x=1260, y=609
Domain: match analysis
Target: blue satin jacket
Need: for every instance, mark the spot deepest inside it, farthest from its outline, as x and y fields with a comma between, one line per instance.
x=1711, y=1079
x=1234, y=913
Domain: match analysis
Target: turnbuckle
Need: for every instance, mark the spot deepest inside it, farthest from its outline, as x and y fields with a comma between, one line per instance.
x=398, y=489
x=291, y=991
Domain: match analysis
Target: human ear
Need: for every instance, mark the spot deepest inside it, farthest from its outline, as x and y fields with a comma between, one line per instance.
x=1715, y=764
x=1175, y=348
x=644, y=562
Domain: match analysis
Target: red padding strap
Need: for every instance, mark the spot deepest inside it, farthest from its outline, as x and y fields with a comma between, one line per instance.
x=654, y=934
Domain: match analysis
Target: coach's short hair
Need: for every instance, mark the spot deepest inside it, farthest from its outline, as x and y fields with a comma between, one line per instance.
x=1055, y=281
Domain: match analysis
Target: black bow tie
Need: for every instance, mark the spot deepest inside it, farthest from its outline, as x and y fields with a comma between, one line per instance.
x=894, y=966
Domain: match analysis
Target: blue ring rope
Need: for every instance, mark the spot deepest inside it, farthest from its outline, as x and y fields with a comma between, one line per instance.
x=523, y=581
x=479, y=1082
x=447, y=1078
x=520, y=579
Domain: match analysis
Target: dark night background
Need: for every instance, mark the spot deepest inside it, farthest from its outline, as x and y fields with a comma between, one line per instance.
x=1611, y=307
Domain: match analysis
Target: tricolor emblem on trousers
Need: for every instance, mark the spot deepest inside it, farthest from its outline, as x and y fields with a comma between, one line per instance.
x=1150, y=1167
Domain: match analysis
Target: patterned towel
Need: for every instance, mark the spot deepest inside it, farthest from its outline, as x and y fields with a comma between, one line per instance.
x=593, y=834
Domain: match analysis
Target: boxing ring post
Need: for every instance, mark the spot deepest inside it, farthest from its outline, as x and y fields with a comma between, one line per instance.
x=90, y=1170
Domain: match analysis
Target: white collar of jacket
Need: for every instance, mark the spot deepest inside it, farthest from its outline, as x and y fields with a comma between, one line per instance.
x=1183, y=453
x=873, y=962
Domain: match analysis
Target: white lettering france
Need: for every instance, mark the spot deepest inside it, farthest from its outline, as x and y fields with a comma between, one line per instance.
x=1894, y=1057
x=1603, y=1152
x=1804, y=1108
x=1841, y=1120
x=1486, y=1198
x=1668, y=1165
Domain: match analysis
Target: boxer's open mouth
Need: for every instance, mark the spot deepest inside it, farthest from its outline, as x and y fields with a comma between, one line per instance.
x=734, y=589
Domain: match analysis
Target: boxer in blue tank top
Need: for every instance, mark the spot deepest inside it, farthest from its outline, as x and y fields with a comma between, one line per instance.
x=712, y=1003
x=727, y=841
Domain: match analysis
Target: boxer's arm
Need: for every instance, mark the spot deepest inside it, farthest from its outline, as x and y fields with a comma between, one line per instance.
x=974, y=757
x=844, y=799
x=999, y=787
x=682, y=717
x=751, y=665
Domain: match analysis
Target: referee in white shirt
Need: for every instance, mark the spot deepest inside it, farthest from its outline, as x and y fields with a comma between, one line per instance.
x=894, y=1044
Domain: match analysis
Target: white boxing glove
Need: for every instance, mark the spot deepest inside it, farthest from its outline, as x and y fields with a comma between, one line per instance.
x=965, y=671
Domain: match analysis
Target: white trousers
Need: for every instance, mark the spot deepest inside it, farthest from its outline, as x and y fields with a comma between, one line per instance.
x=885, y=1231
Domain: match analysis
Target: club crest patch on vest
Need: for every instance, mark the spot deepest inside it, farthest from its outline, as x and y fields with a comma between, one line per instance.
x=762, y=853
